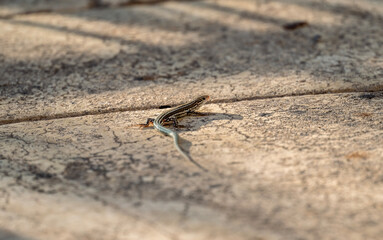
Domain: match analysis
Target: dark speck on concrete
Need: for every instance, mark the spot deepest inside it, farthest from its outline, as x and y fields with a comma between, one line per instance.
x=265, y=114
x=367, y=96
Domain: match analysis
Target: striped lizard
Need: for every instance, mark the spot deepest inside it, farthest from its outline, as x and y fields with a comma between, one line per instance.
x=171, y=116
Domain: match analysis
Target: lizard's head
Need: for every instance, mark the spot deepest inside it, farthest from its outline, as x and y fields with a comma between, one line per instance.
x=202, y=99
x=198, y=102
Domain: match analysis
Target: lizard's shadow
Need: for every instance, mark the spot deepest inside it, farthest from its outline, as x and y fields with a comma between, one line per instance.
x=193, y=123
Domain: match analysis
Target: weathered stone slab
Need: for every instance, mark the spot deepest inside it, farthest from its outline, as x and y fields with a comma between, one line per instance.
x=307, y=167
x=139, y=57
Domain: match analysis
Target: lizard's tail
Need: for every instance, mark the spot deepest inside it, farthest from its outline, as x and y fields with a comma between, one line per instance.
x=176, y=143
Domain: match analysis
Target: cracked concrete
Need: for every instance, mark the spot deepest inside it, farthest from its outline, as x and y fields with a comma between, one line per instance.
x=314, y=160
x=293, y=143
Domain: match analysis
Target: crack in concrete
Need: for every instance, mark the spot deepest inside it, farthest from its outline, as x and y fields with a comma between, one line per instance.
x=371, y=89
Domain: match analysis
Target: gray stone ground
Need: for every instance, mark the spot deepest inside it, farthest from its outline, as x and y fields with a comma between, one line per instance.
x=294, y=144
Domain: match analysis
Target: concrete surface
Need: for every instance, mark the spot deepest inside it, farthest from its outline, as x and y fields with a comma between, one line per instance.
x=293, y=143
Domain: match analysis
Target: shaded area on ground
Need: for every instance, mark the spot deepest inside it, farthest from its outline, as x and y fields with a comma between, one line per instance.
x=7, y=235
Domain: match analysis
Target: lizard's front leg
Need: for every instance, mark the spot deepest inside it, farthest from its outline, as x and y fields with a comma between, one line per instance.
x=149, y=123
